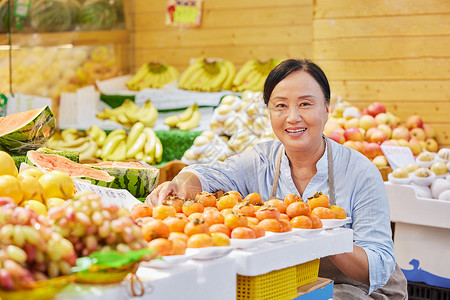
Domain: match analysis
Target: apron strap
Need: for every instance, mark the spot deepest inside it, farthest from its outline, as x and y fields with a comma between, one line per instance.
x=330, y=173
x=277, y=174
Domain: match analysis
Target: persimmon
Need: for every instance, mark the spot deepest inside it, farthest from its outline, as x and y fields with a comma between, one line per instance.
x=243, y=233
x=318, y=200
x=212, y=217
x=226, y=211
x=180, y=215
x=178, y=236
x=272, y=225
x=220, y=239
x=141, y=210
x=245, y=208
x=196, y=226
x=179, y=247
x=236, y=194
x=252, y=221
x=297, y=209
x=254, y=198
x=140, y=221
x=287, y=226
x=200, y=240
x=278, y=203
x=174, y=201
x=234, y=220
x=226, y=201
x=163, y=211
x=195, y=215
x=291, y=198
x=206, y=198
x=208, y=208
x=220, y=228
x=339, y=212
x=316, y=222
x=189, y=207
x=303, y=222
x=323, y=213
x=267, y=212
x=284, y=217
x=162, y=246
x=175, y=224
x=259, y=231
x=155, y=229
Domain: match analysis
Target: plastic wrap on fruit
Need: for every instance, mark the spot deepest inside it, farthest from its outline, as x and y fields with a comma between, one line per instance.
x=27, y=130
x=240, y=141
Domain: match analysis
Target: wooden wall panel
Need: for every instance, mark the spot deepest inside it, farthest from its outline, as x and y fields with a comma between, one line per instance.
x=395, y=52
x=233, y=30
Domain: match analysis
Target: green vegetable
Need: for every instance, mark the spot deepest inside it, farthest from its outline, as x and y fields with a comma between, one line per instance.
x=175, y=142
x=50, y=15
x=97, y=15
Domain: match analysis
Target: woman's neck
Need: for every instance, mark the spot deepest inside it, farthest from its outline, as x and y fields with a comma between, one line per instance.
x=306, y=159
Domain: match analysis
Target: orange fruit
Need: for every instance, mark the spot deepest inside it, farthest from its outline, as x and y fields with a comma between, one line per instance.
x=220, y=239
x=245, y=208
x=234, y=220
x=212, y=217
x=162, y=246
x=303, y=222
x=141, y=210
x=179, y=246
x=220, y=228
x=318, y=200
x=291, y=198
x=189, y=207
x=207, y=199
x=259, y=231
x=178, y=236
x=267, y=212
x=163, y=211
x=316, y=222
x=323, y=213
x=236, y=194
x=196, y=226
x=243, y=233
x=10, y=187
x=226, y=201
x=254, y=198
x=155, y=229
x=272, y=225
x=339, y=212
x=297, y=209
x=278, y=203
x=175, y=224
x=200, y=240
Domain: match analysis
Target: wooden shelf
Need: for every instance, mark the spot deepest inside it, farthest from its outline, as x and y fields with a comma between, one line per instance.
x=75, y=38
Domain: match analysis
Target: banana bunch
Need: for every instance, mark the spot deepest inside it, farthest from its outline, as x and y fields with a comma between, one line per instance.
x=129, y=113
x=73, y=140
x=187, y=120
x=253, y=74
x=208, y=75
x=152, y=75
x=141, y=143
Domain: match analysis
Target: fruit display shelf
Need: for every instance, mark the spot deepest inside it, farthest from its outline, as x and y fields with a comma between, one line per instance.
x=198, y=278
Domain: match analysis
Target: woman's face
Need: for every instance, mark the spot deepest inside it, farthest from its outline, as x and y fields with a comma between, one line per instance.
x=298, y=112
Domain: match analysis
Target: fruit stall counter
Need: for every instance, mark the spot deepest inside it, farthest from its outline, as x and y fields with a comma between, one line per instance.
x=220, y=275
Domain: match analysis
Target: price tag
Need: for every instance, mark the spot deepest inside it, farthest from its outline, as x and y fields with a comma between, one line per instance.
x=398, y=156
x=109, y=196
x=20, y=102
x=185, y=14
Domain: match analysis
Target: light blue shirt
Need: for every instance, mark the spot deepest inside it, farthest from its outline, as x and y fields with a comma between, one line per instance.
x=359, y=189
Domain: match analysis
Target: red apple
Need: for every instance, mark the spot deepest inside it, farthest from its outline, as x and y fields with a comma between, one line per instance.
x=415, y=146
x=418, y=133
x=432, y=145
x=367, y=121
x=376, y=108
x=372, y=150
x=385, y=128
x=337, y=136
x=364, y=111
x=380, y=161
x=382, y=118
x=400, y=133
x=330, y=126
x=369, y=133
x=414, y=121
x=353, y=134
x=357, y=145
x=403, y=142
x=351, y=123
x=429, y=131
x=378, y=136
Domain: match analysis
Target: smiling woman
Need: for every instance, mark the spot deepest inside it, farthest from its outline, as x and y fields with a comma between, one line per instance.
x=303, y=161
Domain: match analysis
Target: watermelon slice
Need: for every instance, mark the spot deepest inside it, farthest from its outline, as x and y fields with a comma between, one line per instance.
x=52, y=162
x=133, y=176
x=27, y=130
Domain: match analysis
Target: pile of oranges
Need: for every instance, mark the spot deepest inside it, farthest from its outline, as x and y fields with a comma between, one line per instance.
x=213, y=219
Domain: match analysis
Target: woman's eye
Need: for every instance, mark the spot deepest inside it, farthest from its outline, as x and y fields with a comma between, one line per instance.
x=305, y=104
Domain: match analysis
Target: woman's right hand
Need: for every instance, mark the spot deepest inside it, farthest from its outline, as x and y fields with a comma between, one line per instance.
x=160, y=193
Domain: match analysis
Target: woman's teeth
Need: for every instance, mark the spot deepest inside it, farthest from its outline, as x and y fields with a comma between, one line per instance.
x=296, y=131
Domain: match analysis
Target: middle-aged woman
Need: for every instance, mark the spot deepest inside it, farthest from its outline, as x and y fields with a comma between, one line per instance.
x=304, y=161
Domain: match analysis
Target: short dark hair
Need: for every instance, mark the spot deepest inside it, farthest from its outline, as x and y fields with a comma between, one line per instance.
x=289, y=66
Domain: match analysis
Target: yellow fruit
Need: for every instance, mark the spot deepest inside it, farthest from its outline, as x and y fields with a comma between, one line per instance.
x=52, y=202
x=36, y=206
x=31, y=188
x=35, y=172
x=10, y=187
x=7, y=165
x=57, y=184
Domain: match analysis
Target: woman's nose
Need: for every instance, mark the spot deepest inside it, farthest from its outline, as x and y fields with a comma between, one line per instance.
x=293, y=114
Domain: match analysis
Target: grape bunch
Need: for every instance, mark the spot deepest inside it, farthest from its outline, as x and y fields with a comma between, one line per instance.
x=93, y=226
x=29, y=248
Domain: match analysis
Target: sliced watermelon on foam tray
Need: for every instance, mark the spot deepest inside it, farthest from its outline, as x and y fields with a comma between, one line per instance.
x=137, y=178
x=52, y=162
x=26, y=130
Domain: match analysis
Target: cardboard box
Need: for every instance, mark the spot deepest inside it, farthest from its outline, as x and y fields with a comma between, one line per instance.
x=421, y=236
x=321, y=289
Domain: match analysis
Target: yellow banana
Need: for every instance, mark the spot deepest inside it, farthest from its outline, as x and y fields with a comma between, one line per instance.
x=184, y=116
x=186, y=78
x=174, y=73
x=139, y=156
x=147, y=114
x=69, y=134
x=243, y=72
x=137, y=146
x=73, y=143
x=258, y=85
x=252, y=77
x=192, y=122
x=123, y=119
x=118, y=153
x=119, y=131
x=118, y=110
x=111, y=145
x=134, y=133
x=140, y=74
x=158, y=150
x=150, y=144
x=219, y=79
x=231, y=73
x=130, y=113
x=90, y=152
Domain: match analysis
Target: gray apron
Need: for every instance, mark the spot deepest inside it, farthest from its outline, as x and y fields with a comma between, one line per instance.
x=344, y=287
